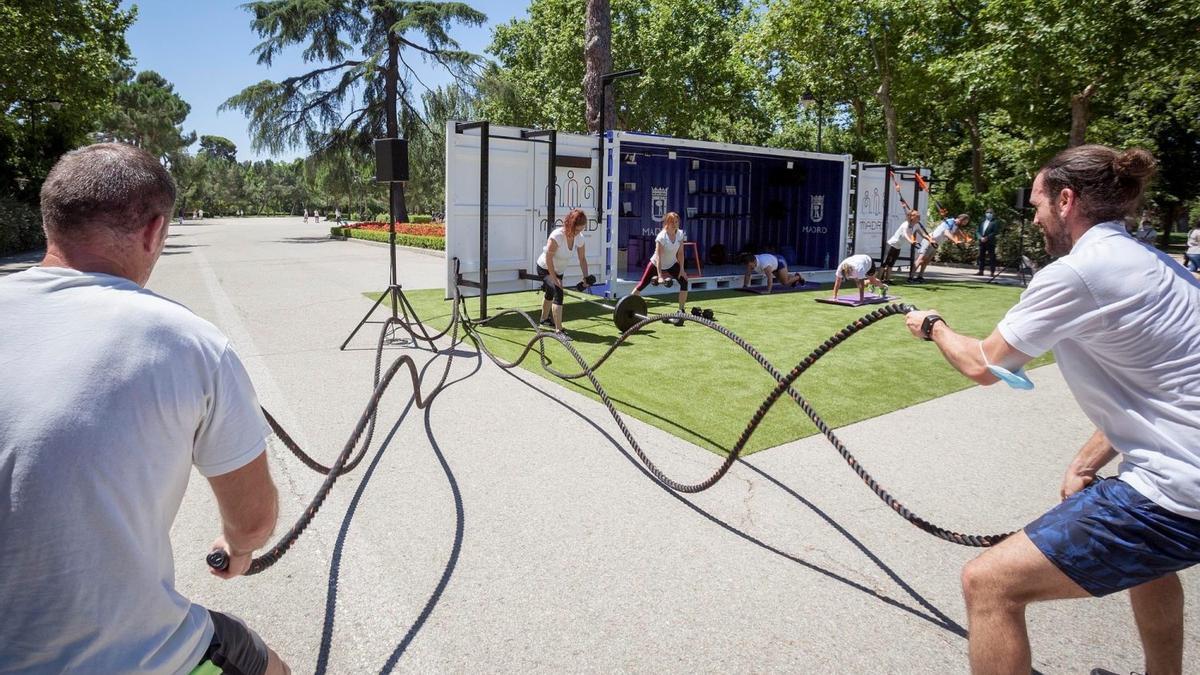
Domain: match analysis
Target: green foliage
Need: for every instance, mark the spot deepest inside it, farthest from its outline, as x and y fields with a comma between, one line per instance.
x=695, y=84
x=56, y=63
x=349, y=100
x=420, y=218
x=147, y=113
x=218, y=148
x=20, y=227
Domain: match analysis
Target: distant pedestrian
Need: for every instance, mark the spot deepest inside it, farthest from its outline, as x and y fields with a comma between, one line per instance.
x=306, y=215
x=989, y=229
x=1146, y=232
x=1193, y=248
x=316, y=215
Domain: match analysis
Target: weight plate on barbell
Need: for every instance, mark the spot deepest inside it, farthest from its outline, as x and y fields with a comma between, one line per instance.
x=629, y=310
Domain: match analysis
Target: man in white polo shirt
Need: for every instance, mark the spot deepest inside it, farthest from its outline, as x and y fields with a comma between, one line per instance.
x=1121, y=319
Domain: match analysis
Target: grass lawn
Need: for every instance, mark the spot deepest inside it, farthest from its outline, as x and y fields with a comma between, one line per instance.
x=696, y=384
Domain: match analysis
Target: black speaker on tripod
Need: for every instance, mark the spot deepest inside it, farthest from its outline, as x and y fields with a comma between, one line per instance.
x=391, y=160
x=391, y=167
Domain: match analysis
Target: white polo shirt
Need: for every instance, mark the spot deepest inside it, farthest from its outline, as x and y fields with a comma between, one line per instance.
x=1124, y=323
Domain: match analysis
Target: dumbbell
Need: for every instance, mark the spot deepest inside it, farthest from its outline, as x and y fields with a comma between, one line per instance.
x=590, y=280
x=667, y=284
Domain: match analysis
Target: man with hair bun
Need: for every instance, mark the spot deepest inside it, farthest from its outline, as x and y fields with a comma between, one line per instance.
x=1121, y=320
x=109, y=395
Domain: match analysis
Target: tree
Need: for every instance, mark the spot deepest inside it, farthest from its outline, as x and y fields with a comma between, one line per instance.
x=696, y=83
x=219, y=148
x=56, y=62
x=147, y=113
x=318, y=108
x=597, y=56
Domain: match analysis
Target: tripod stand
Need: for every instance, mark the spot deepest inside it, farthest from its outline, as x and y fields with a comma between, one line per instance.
x=1021, y=265
x=394, y=293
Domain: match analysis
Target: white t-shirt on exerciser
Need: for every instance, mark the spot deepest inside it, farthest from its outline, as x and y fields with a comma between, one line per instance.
x=670, y=248
x=859, y=265
x=1122, y=319
x=109, y=394
x=766, y=262
x=940, y=233
x=562, y=256
x=900, y=236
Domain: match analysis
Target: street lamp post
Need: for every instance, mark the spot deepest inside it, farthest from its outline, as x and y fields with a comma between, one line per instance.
x=808, y=99
x=605, y=80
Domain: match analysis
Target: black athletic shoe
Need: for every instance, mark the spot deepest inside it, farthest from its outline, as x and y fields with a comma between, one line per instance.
x=547, y=322
x=919, y=280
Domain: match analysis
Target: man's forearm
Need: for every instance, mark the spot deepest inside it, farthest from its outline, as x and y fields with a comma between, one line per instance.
x=962, y=352
x=247, y=537
x=1094, y=454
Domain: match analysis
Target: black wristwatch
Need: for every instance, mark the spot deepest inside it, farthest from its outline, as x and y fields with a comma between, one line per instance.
x=927, y=325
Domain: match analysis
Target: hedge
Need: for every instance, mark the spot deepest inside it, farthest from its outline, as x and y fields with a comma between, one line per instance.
x=436, y=243
x=416, y=218
x=20, y=227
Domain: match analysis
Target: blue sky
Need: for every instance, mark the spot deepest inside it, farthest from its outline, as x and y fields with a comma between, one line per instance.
x=204, y=49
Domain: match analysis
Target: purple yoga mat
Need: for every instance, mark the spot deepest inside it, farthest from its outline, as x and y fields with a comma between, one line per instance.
x=852, y=300
x=780, y=288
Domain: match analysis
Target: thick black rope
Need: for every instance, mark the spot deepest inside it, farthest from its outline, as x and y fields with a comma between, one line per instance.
x=784, y=384
x=366, y=422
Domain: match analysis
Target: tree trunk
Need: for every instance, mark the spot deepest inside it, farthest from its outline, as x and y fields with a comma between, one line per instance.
x=391, y=76
x=597, y=54
x=884, y=94
x=977, y=183
x=860, y=117
x=1080, y=106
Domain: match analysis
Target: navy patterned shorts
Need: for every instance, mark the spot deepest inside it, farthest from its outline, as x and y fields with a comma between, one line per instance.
x=1108, y=538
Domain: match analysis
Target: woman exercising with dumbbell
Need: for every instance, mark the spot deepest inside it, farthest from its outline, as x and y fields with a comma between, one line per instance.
x=668, y=248
x=553, y=262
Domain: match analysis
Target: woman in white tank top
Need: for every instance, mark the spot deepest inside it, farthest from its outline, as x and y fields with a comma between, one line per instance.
x=553, y=262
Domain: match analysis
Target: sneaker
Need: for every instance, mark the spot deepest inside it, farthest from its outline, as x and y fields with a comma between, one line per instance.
x=919, y=280
x=547, y=322
x=979, y=273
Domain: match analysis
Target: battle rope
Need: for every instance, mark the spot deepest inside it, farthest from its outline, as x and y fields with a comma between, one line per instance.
x=366, y=422
x=784, y=385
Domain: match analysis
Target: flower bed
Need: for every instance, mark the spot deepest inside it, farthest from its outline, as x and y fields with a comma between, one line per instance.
x=416, y=241
x=416, y=229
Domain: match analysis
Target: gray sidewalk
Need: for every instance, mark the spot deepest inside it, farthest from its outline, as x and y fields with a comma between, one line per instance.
x=507, y=529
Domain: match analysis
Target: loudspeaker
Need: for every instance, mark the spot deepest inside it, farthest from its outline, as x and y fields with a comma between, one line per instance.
x=391, y=160
x=1021, y=198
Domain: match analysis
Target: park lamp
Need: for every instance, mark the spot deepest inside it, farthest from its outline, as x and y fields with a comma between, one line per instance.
x=605, y=80
x=808, y=100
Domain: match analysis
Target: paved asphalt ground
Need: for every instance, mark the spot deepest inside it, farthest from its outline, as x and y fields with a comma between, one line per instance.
x=507, y=529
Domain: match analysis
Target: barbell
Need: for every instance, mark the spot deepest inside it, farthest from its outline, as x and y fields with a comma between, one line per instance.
x=626, y=312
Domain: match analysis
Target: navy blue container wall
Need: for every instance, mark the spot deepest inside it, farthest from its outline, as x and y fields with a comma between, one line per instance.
x=743, y=201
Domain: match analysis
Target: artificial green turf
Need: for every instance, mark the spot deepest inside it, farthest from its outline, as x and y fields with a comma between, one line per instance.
x=696, y=384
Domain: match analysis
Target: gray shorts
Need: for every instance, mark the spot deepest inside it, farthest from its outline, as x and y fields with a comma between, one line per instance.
x=234, y=648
